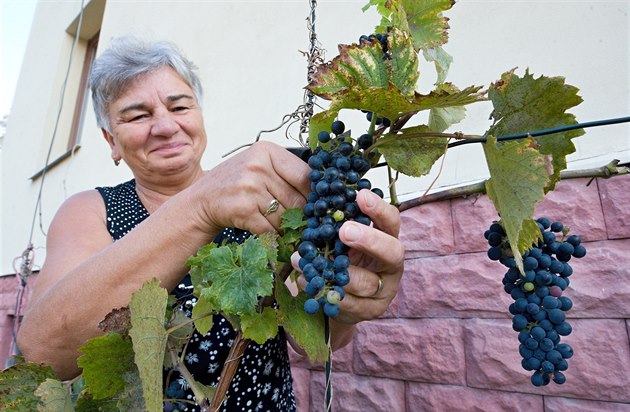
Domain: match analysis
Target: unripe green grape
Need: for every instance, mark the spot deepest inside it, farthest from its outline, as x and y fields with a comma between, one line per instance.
x=338, y=215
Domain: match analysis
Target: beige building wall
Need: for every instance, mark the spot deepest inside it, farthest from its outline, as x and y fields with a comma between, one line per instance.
x=253, y=71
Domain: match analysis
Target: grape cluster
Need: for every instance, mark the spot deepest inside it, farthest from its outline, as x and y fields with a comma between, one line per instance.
x=337, y=166
x=539, y=308
x=174, y=391
x=381, y=38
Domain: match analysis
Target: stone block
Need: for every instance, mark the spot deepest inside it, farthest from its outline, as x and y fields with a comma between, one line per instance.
x=599, y=284
x=472, y=216
x=425, y=350
x=554, y=404
x=428, y=397
x=427, y=230
x=353, y=393
x=461, y=286
x=597, y=371
x=577, y=206
x=615, y=198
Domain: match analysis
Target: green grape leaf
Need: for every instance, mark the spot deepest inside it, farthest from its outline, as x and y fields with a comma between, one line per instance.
x=423, y=18
x=105, y=360
x=525, y=104
x=320, y=121
x=442, y=61
x=148, y=309
x=518, y=176
x=410, y=151
x=203, y=312
x=18, y=384
x=292, y=223
x=293, y=219
x=365, y=67
x=86, y=403
x=307, y=330
x=238, y=275
x=55, y=396
x=441, y=118
x=260, y=327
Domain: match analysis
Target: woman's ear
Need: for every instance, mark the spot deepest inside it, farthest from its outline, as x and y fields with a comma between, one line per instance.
x=112, y=144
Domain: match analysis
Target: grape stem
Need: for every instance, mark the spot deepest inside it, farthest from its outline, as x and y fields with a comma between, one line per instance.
x=609, y=170
x=181, y=368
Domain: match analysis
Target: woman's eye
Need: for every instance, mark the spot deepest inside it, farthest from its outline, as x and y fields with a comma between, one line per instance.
x=138, y=117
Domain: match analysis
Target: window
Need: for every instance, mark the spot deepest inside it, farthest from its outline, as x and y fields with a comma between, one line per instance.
x=67, y=111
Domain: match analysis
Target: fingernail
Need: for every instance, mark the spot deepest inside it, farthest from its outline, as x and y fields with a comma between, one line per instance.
x=370, y=201
x=353, y=232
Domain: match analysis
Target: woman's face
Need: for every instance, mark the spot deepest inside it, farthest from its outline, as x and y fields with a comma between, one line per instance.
x=157, y=125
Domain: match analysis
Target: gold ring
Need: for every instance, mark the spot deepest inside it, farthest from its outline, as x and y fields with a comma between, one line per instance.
x=379, y=289
x=273, y=206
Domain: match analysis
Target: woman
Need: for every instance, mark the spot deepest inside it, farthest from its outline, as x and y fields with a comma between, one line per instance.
x=146, y=98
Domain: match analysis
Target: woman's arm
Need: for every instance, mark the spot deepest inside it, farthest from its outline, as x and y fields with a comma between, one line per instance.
x=86, y=275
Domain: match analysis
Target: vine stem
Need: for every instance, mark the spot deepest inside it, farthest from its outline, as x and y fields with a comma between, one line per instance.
x=199, y=395
x=609, y=170
x=238, y=350
x=229, y=370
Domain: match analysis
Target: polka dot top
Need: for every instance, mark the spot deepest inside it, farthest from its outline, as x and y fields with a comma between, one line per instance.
x=263, y=380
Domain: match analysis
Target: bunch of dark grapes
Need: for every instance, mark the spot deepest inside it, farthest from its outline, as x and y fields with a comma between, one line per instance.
x=381, y=38
x=337, y=167
x=539, y=308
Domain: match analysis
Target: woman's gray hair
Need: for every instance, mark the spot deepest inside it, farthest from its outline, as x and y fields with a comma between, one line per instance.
x=126, y=59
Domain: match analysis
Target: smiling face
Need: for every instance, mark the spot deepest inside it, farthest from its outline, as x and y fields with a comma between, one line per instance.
x=157, y=126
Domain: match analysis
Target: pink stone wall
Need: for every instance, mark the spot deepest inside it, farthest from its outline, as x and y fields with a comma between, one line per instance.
x=446, y=342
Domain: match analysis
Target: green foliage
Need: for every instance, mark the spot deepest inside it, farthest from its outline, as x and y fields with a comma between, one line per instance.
x=237, y=275
x=518, y=176
x=523, y=104
x=411, y=151
x=105, y=362
x=18, y=384
x=307, y=330
x=55, y=396
x=260, y=326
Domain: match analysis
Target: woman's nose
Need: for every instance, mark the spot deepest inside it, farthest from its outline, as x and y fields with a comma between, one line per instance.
x=164, y=124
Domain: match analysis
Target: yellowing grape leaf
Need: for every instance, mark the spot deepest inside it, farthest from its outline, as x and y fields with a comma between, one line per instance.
x=18, y=384
x=307, y=330
x=423, y=18
x=148, y=309
x=525, y=104
x=442, y=61
x=260, y=327
x=410, y=151
x=105, y=360
x=518, y=176
x=365, y=66
x=55, y=396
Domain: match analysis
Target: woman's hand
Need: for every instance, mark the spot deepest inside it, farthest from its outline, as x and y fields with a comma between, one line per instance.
x=240, y=192
x=377, y=261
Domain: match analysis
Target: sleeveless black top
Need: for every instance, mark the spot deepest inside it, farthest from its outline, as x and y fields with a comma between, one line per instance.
x=263, y=380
